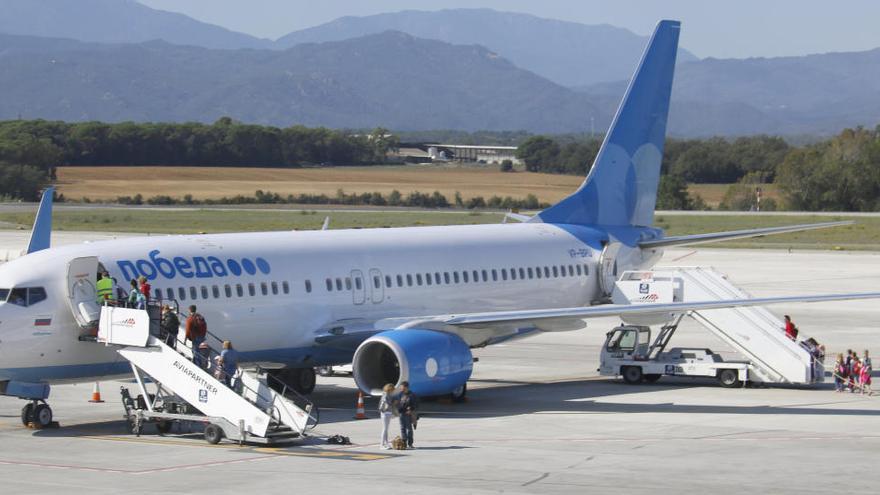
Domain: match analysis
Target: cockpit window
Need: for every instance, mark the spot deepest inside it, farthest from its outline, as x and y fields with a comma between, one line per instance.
x=35, y=295
x=23, y=296
x=18, y=297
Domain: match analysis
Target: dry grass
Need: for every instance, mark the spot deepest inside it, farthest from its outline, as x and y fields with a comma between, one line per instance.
x=712, y=194
x=214, y=182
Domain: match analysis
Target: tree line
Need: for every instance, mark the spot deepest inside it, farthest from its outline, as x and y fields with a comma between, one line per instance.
x=841, y=173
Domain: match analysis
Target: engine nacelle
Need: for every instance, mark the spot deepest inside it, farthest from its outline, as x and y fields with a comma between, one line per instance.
x=433, y=362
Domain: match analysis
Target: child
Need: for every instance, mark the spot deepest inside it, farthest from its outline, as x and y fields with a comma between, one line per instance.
x=839, y=373
x=866, y=375
x=855, y=374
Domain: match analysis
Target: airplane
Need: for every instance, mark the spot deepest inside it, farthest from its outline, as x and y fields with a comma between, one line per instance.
x=398, y=304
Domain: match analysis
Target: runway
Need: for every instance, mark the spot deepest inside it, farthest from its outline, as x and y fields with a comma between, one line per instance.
x=539, y=420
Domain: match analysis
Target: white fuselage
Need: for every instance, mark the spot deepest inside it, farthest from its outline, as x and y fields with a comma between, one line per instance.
x=273, y=293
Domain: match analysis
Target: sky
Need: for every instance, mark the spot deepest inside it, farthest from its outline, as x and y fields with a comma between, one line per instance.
x=710, y=28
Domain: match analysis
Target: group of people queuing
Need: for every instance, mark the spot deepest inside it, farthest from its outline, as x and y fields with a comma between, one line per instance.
x=110, y=293
x=852, y=373
x=404, y=405
x=223, y=366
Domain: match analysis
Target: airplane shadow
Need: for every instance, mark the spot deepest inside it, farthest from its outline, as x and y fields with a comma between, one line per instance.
x=576, y=396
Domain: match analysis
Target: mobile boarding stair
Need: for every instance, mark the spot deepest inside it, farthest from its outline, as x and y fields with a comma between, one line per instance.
x=249, y=411
x=753, y=331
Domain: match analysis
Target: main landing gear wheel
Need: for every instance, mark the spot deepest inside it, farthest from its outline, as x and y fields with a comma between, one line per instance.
x=302, y=380
x=632, y=374
x=42, y=416
x=729, y=378
x=27, y=413
x=459, y=394
x=213, y=434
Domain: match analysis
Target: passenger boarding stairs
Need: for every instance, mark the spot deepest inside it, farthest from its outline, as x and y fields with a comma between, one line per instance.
x=251, y=406
x=753, y=331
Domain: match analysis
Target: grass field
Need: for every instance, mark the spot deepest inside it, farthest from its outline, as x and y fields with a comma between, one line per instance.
x=864, y=235
x=712, y=194
x=107, y=183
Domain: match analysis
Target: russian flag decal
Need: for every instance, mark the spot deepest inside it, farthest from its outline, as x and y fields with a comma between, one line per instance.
x=42, y=322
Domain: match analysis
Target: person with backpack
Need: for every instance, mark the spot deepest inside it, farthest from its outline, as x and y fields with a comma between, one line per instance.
x=169, y=326
x=196, y=330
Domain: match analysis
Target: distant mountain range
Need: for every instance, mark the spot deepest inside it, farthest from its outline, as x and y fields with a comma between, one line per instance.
x=479, y=69
x=364, y=82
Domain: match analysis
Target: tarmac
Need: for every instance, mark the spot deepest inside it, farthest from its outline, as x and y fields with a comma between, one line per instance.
x=539, y=419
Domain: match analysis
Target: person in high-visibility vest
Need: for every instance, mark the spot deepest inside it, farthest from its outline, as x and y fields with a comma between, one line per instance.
x=105, y=289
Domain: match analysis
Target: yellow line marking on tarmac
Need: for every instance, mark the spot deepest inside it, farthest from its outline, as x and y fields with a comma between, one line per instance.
x=332, y=454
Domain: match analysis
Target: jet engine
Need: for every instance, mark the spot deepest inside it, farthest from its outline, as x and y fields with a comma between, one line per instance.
x=433, y=362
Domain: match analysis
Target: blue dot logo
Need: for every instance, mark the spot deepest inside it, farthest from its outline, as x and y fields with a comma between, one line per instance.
x=234, y=267
x=263, y=265
x=248, y=266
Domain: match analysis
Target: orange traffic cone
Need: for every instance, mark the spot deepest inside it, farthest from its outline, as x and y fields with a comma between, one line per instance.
x=360, y=413
x=96, y=394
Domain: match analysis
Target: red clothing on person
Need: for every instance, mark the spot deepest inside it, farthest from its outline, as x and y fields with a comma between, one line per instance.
x=790, y=332
x=145, y=289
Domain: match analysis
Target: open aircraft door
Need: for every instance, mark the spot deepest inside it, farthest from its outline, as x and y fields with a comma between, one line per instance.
x=82, y=275
x=608, y=267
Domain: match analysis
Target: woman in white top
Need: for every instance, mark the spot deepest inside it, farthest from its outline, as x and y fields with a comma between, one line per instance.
x=386, y=411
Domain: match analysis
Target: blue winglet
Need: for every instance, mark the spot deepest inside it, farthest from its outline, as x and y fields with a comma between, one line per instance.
x=621, y=188
x=41, y=235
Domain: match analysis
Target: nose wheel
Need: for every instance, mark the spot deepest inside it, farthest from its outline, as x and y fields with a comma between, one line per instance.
x=36, y=412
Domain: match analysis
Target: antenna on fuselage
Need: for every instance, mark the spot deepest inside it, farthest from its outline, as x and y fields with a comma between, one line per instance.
x=326, y=224
x=41, y=234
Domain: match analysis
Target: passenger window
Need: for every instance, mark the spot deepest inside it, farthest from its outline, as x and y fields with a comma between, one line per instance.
x=193, y=293
x=546, y=272
x=437, y=278
x=35, y=295
x=446, y=278
x=388, y=281
x=339, y=284
x=419, y=278
x=578, y=268
x=170, y=293
x=181, y=293
x=464, y=276
x=239, y=290
x=285, y=287
x=455, y=277
x=347, y=283
x=531, y=274
x=264, y=288
x=586, y=270
x=204, y=292
x=555, y=272
x=538, y=271
x=428, y=278
x=570, y=271
x=227, y=289
x=408, y=280
x=485, y=276
x=252, y=289
x=400, y=280
x=377, y=281
x=308, y=286
x=329, y=285
x=157, y=294
x=358, y=283
x=494, y=275
x=215, y=291
x=522, y=274
x=504, y=274
x=275, y=288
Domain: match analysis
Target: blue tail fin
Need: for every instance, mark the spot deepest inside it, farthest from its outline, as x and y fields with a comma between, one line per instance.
x=621, y=188
x=42, y=232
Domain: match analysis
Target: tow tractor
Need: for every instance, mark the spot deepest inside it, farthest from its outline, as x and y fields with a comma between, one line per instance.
x=629, y=352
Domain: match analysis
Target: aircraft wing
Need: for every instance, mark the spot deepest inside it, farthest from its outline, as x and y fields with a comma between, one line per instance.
x=688, y=240
x=479, y=329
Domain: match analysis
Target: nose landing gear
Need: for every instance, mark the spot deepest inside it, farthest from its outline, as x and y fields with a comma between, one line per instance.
x=38, y=413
